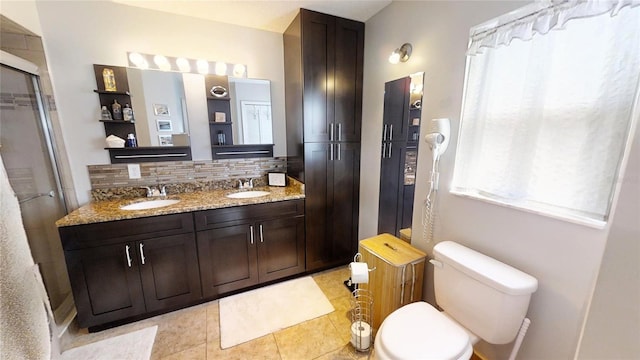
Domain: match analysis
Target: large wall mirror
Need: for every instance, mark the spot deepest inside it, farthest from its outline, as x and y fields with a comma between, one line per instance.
x=163, y=101
x=402, y=116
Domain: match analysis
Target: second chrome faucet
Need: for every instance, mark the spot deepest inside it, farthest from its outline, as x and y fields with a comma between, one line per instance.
x=246, y=184
x=153, y=192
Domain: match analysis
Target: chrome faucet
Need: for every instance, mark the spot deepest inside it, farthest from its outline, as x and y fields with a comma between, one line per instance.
x=153, y=192
x=246, y=184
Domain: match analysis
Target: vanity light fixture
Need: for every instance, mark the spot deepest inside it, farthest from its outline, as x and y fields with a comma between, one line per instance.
x=181, y=64
x=401, y=54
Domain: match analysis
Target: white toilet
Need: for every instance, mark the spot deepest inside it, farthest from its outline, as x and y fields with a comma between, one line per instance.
x=481, y=298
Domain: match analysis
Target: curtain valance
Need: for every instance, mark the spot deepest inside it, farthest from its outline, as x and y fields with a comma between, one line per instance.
x=540, y=17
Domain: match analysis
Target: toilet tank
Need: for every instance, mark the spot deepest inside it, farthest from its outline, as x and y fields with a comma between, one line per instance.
x=484, y=295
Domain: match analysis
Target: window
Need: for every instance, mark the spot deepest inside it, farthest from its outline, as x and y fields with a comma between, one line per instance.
x=545, y=121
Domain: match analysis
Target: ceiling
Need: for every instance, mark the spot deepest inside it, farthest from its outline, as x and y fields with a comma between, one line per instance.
x=264, y=15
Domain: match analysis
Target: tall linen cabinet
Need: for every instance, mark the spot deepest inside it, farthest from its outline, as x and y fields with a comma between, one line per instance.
x=323, y=58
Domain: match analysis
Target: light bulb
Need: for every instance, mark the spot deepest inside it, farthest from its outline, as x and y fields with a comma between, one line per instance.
x=238, y=70
x=221, y=68
x=394, y=58
x=162, y=62
x=203, y=66
x=183, y=65
x=136, y=59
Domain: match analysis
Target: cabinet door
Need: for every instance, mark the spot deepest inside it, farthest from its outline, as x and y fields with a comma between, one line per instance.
x=395, y=116
x=106, y=283
x=344, y=203
x=332, y=189
x=349, y=55
x=227, y=258
x=318, y=199
x=390, y=205
x=169, y=271
x=318, y=58
x=280, y=248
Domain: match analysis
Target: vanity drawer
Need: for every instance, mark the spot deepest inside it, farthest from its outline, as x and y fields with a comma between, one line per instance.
x=212, y=219
x=113, y=232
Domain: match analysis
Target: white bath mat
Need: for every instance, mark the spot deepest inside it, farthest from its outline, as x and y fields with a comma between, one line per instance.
x=136, y=345
x=256, y=313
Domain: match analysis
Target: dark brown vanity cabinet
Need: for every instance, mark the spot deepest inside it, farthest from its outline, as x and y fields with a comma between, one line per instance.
x=125, y=268
x=243, y=246
x=323, y=88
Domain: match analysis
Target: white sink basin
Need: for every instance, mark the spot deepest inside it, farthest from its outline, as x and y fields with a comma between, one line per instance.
x=248, y=194
x=150, y=204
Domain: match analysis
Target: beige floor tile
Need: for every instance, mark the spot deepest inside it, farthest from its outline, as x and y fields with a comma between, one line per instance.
x=308, y=340
x=181, y=330
x=263, y=348
x=331, y=282
x=195, y=353
x=79, y=337
x=347, y=352
x=213, y=321
x=341, y=317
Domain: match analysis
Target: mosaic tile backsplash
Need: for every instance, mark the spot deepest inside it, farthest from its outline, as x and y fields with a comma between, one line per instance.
x=112, y=181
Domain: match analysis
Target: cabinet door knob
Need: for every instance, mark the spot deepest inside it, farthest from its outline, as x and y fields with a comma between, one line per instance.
x=142, y=258
x=261, y=236
x=126, y=250
x=251, y=230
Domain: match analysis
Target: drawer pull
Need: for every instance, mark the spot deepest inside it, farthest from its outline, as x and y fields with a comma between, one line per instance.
x=261, y=236
x=126, y=248
x=142, y=253
x=251, y=229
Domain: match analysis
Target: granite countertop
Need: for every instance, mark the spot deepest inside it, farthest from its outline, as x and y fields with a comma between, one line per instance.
x=109, y=210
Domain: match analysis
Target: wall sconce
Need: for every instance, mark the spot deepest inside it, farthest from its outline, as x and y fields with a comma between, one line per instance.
x=401, y=54
x=168, y=63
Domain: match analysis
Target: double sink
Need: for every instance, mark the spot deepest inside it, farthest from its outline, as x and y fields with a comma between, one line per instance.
x=153, y=204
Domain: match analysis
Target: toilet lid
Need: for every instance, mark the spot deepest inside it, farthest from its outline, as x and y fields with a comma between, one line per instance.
x=419, y=331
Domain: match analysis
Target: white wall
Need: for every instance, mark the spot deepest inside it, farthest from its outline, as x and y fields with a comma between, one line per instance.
x=77, y=35
x=564, y=257
x=612, y=328
x=23, y=12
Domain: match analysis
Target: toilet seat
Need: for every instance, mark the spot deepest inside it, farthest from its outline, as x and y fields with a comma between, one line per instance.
x=420, y=331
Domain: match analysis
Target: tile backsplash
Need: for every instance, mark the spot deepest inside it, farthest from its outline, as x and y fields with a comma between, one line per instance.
x=112, y=181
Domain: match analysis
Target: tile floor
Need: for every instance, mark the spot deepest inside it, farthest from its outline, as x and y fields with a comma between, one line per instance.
x=194, y=333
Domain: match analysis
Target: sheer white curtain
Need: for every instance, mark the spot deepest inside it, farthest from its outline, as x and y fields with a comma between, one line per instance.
x=545, y=121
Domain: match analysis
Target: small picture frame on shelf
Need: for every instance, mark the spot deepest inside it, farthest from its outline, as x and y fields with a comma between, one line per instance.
x=164, y=125
x=165, y=140
x=161, y=110
x=220, y=117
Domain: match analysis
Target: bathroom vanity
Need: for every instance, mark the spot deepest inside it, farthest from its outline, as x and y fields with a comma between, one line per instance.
x=125, y=265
